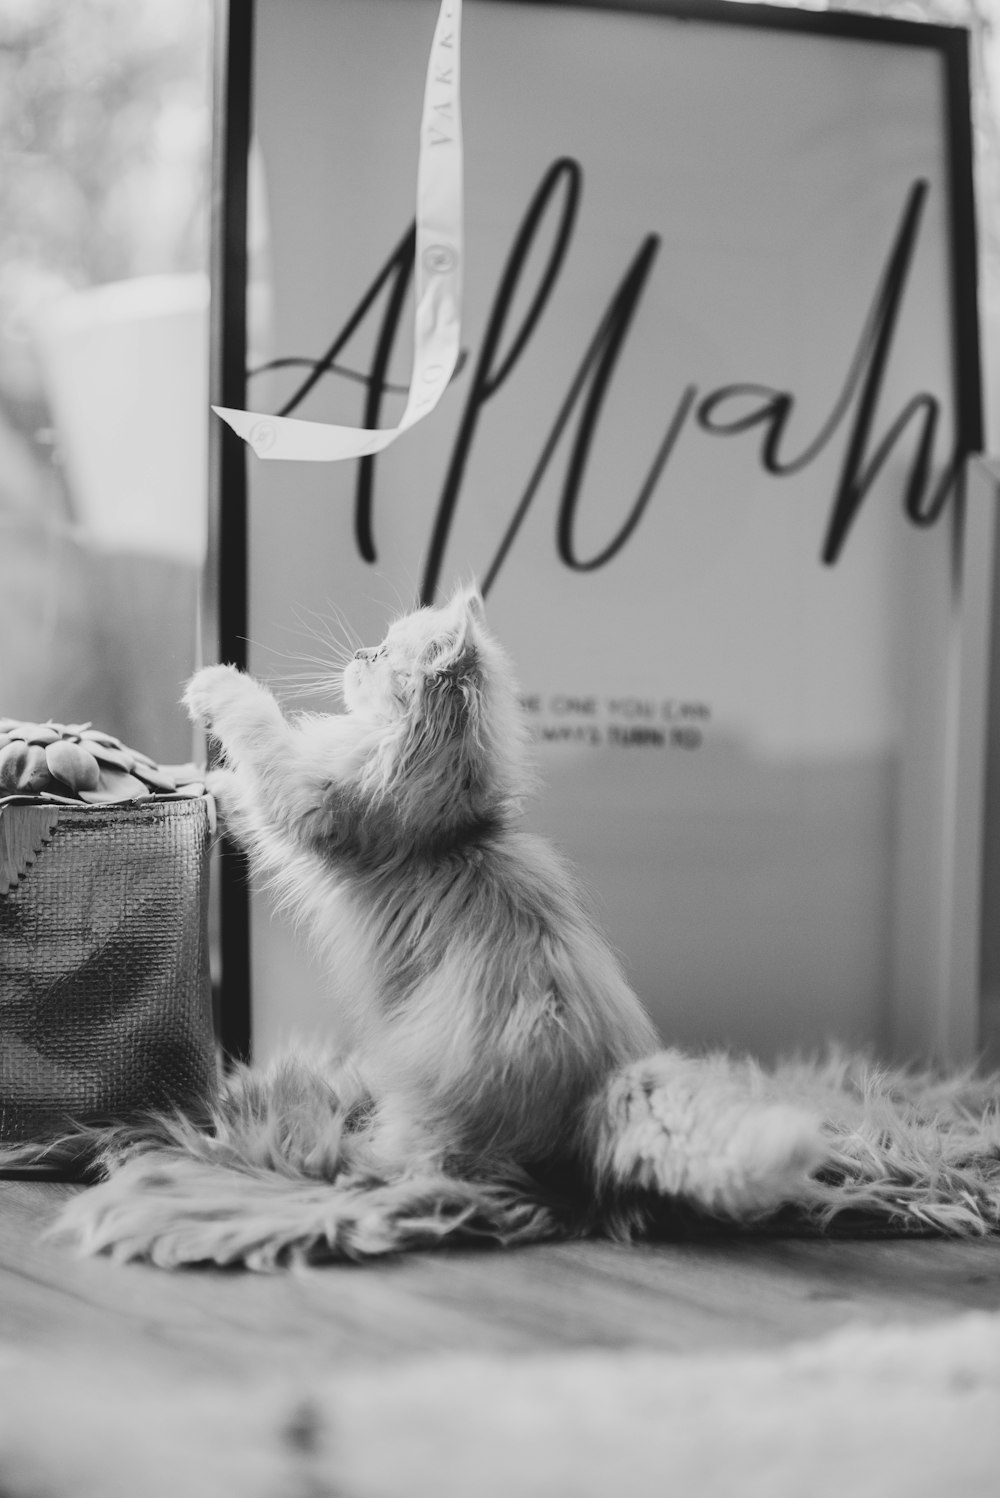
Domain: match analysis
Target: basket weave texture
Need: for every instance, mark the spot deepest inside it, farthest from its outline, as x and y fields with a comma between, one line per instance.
x=105, y=995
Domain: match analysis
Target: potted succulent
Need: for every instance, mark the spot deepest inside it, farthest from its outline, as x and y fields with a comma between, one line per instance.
x=105, y=996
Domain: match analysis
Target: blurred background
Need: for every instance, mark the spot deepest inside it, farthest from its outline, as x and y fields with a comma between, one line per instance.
x=105, y=196
x=105, y=122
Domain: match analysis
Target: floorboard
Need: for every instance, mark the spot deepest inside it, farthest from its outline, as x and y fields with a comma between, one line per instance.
x=685, y=1297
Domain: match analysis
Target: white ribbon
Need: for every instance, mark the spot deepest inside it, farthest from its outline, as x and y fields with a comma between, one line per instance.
x=438, y=278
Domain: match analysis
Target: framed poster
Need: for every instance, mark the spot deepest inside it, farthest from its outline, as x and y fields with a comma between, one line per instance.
x=705, y=453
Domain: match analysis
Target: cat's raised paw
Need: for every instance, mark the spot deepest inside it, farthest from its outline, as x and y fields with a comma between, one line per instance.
x=222, y=785
x=211, y=690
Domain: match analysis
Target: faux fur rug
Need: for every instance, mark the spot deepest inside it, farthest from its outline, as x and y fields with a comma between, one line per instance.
x=874, y=1413
x=909, y=1149
x=277, y=1169
x=279, y=1173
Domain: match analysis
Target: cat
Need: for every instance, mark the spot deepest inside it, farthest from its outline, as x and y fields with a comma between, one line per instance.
x=503, y=1076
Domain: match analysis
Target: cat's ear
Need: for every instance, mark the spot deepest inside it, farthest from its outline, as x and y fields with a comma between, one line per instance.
x=451, y=694
x=469, y=613
x=473, y=603
x=458, y=662
x=461, y=660
x=466, y=604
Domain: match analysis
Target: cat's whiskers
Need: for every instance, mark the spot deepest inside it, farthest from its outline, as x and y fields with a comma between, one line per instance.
x=324, y=630
x=263, y=649
x=338, y=645
x=320, y=683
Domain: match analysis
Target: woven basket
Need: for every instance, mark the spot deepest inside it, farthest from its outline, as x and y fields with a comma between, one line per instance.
x=105, y=998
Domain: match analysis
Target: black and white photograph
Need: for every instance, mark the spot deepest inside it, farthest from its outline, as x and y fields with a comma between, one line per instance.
x=499, y=748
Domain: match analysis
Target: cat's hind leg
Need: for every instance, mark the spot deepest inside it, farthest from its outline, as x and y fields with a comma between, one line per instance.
x=707, y=1131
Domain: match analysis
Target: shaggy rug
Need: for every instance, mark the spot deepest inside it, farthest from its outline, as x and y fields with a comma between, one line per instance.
x=898, y=1412
x=275, y=1171
x=273, y=1175
x=909, y=1149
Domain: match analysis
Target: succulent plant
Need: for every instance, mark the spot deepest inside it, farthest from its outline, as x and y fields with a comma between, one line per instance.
x=76, y=762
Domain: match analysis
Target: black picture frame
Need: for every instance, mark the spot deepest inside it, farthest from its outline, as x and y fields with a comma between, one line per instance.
x=224, y=591
x=224, y=614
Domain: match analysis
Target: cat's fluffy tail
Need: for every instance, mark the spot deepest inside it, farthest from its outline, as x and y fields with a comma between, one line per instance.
x=173, y=1210
x=277, y=1169
x=703, y=1131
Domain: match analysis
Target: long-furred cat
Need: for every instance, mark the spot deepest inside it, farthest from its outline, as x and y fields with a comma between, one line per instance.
x=502, y=1078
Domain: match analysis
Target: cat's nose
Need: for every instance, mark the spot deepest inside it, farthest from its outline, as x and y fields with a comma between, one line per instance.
x=363, y=655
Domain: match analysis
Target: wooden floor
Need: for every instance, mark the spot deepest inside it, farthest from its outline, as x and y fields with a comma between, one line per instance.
x=681, y=1297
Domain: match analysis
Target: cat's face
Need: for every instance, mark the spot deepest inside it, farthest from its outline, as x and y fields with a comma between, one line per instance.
x=386, y=680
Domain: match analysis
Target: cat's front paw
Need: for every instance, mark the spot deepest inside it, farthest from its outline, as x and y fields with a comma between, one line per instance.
x=221, y=784
x=212, y=691
x=237, y=711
